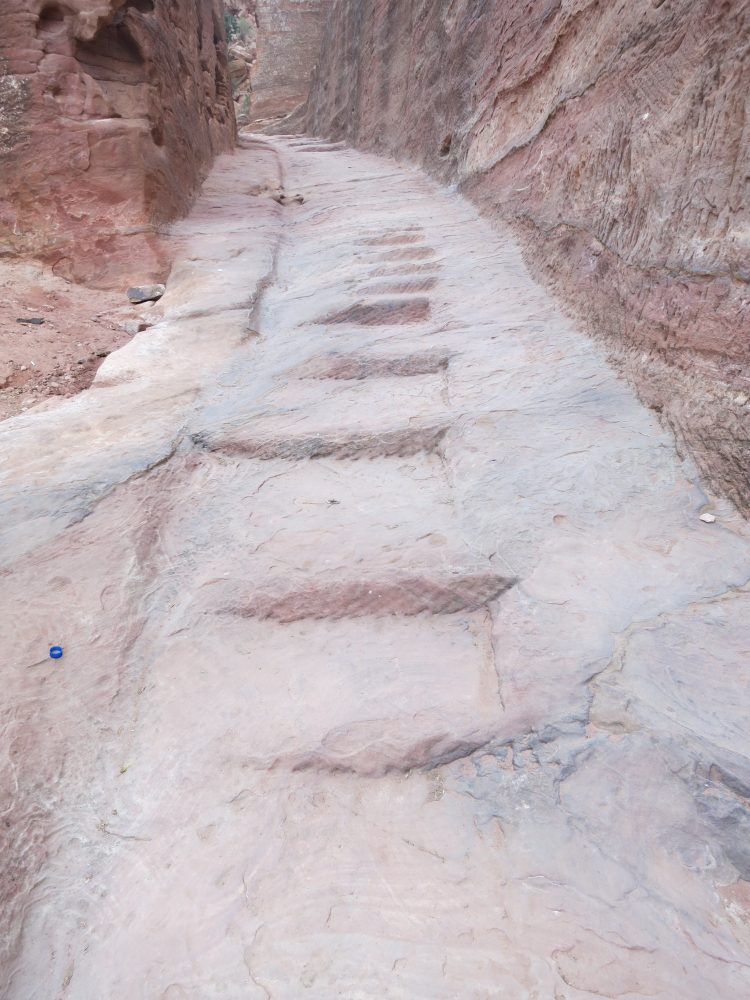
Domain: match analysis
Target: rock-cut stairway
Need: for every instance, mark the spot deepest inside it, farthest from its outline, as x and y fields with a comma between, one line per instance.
x=398, y=661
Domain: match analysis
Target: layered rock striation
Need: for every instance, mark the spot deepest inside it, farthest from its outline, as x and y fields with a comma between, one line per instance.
x=615, y=138
x=111, y=112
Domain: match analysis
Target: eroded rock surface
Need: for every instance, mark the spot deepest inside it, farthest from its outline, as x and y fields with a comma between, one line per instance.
x=274, y=46
x=398, y=661
x=289, y=39
x=615, y=137
x=241, y=21
x=111, y=112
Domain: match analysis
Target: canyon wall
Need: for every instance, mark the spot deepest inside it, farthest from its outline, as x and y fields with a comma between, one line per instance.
x=289, y=38
x=615, y=138
x=111, y=112
x=241, y=23
x=274, y=47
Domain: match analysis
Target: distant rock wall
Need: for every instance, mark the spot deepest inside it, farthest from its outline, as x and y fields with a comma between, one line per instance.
x=289, y=38
x=615, y=137
x=242, y=39
x=111, y=112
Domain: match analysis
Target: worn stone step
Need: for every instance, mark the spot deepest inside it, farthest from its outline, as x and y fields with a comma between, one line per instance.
x=367, y=695
x=340, y=365
x=403, y=443
x=401, y=596
x=310, y=523
x=393, y=312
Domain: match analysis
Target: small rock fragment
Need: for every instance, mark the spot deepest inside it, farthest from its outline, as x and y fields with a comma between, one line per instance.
x=33, y=320
x=133, y=326
x=285, y=199
x=146, y=293
x=708, y=518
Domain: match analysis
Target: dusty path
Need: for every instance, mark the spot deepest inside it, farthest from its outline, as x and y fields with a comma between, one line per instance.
x=398, y=662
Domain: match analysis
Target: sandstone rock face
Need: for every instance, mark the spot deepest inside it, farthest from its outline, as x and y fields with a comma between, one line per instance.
x=241, y=22
x=111, y=112
x=398, y=661
x=274, y=48
x=615, y=137
x=289, y=39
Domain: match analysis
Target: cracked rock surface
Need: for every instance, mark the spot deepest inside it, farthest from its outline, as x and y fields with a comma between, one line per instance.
x=398, y=661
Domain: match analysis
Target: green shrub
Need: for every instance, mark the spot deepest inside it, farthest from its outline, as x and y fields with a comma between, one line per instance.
x=231, y=24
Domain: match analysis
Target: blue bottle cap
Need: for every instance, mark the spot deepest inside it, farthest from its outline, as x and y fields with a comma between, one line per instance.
x=55, y=652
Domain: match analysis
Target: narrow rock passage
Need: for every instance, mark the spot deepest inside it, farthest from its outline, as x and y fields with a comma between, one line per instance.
x=398, y=662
